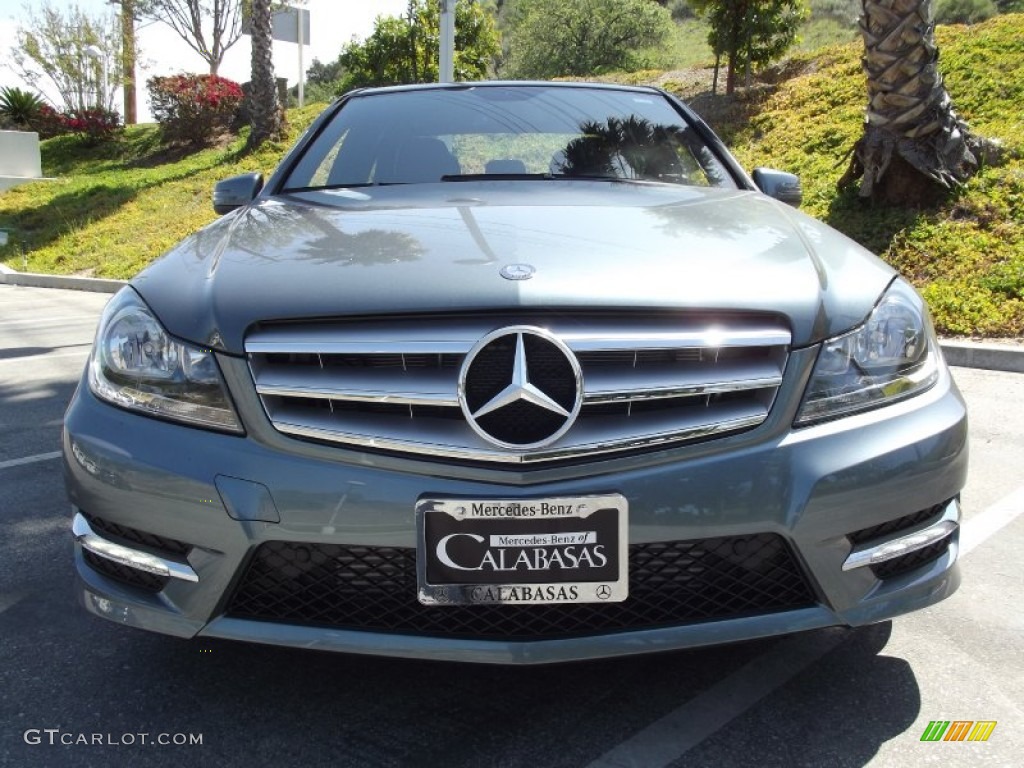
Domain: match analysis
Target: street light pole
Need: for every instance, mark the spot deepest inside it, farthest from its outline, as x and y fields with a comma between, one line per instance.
x=446, y=64
x=96, y=53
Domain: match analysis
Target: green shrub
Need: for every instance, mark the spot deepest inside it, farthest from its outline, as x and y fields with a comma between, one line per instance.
x=964, y=11
x=18, y=108
x=315, y=93
x=193, y=109
x=681, y=10
x=846, y=11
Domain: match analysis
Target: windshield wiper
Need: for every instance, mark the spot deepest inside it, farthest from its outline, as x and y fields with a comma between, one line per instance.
x=595, y=177
x=540, y=177
x=495, y=176
x=358, y=185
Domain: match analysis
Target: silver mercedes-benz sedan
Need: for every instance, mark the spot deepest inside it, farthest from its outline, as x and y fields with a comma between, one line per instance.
x=514, y=373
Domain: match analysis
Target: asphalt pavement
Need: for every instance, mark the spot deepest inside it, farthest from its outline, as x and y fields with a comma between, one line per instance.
x=78, y=691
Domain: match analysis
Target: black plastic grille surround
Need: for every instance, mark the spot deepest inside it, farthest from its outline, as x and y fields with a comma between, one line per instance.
x=133, y=577
x=911, y=562
x=134, y=538
x=122, y=534
x=896, y=526
x=374, y=589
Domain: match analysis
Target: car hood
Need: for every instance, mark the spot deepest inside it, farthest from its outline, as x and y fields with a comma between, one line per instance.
x=439, y=247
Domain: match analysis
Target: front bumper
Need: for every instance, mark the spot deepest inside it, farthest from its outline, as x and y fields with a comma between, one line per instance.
x=226, y=495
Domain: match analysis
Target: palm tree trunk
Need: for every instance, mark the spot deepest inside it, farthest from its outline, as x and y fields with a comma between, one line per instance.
x=914, y=146
x=265, y=112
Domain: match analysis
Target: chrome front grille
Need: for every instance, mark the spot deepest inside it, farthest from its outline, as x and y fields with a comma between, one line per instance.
x=393, y=385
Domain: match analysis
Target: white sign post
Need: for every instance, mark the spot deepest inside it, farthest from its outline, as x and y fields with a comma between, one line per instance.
x=301, y=25
x=19, y=159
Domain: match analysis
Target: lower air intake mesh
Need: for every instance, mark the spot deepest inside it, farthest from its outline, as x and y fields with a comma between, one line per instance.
x=374, y=589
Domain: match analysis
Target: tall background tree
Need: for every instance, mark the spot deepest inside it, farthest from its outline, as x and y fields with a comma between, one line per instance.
x=914, y=146
x=210, y=27
x=405, y=50
x=57, y=49
x=548, y=38
x=129, y=53
x=266, y=115
x=750, y=33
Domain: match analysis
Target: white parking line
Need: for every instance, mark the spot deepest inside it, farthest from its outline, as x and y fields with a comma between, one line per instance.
x=29, y=460
x=50, y=320
x=986, y=524
x=49, y=355
x=666, y=740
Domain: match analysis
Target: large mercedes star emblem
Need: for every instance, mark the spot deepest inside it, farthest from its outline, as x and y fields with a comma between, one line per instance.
x=520, y=387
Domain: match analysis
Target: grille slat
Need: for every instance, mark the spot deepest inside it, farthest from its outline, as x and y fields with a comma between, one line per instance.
x=392, y=385
x=679, y=380
x=415, y=387
x=374, y=589
x=453, y=438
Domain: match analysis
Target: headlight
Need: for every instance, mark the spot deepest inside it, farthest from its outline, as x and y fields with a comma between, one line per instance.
x=892, y=356
x=135, y=364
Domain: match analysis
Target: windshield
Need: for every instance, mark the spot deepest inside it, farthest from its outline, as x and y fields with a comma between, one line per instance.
x=506, y=132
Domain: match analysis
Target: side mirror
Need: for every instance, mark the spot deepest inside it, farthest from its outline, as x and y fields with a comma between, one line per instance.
x=235, y=192
x=780, y=185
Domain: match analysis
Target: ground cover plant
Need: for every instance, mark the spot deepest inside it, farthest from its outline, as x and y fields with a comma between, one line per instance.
x=966, y=254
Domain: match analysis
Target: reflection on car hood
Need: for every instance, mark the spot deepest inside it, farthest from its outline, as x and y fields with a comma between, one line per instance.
x=439, y=247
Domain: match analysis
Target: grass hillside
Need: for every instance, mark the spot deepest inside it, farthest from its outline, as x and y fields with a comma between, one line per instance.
x=115, y=208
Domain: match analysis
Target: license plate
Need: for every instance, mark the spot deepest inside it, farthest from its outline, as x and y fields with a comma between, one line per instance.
x=523, y=551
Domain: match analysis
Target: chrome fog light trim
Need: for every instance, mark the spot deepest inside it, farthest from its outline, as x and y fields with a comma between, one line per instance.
x=872, y=554
x=133, y=558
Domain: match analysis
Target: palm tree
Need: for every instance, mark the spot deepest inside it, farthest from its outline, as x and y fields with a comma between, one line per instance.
x=265, y=112
x=914, y=146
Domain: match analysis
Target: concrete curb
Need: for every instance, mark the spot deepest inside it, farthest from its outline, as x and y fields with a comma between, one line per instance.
x=963, y=354
x=34, y=280
x=992, y=357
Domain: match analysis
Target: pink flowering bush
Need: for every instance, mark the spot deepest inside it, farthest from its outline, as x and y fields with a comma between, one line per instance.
x=48, y=122
x=193, y=109
x=93, y=125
